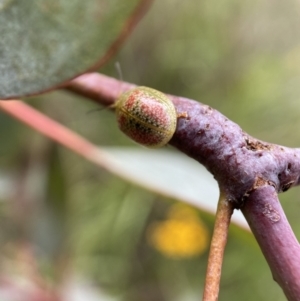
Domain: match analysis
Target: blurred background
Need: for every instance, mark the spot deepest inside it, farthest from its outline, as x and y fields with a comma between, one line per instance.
x=72, y=231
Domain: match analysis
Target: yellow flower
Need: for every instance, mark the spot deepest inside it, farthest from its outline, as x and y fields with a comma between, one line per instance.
x=181, y=235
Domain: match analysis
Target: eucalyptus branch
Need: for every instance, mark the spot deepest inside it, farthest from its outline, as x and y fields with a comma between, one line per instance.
x=247, y=169
x=239, y=162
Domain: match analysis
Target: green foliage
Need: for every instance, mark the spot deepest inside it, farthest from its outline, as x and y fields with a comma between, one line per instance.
x=46, y=42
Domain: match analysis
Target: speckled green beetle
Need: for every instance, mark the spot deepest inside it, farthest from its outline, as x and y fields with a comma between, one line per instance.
x=147, y=116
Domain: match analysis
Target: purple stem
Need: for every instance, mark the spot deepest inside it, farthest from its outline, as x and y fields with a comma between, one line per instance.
x=239, y=162
x=276, y=239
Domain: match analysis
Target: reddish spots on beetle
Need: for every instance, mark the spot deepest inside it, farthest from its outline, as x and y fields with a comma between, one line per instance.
x=130, y=101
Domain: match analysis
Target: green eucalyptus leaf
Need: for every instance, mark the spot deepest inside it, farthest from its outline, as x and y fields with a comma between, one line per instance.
x=47, y=42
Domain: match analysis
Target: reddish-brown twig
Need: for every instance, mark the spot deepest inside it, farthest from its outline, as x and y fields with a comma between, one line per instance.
x=217, y=247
